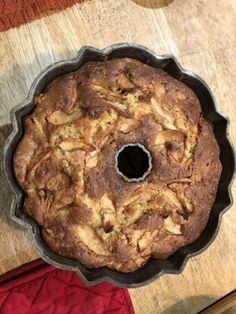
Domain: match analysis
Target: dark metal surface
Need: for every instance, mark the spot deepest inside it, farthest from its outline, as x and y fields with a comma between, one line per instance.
x=154, y=268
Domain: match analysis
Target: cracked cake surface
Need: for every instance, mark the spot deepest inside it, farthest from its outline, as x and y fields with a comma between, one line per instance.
x=65, y=163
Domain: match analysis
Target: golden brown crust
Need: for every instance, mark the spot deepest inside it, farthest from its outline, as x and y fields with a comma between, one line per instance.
x=65, y=163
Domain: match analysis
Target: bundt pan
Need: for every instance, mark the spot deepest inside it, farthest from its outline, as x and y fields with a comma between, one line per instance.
x=154, y=268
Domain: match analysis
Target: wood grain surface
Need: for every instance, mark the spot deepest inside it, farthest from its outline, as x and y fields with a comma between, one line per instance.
x=226, y=305
x=202, y=35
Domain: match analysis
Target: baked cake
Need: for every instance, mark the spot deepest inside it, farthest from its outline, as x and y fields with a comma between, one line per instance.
x=66, y=162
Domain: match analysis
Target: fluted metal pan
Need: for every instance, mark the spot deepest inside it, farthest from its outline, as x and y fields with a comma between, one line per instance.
x=154, y=268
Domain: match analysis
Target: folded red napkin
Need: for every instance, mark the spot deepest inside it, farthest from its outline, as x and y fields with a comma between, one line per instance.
x=38, y=288
x=16, y=12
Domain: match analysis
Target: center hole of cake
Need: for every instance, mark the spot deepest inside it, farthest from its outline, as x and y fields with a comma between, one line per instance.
x=133, y=162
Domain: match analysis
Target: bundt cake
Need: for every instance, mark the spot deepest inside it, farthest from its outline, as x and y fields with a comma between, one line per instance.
x=118, y=164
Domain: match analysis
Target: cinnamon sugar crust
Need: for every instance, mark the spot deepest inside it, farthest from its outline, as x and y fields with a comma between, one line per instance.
x=65, y=163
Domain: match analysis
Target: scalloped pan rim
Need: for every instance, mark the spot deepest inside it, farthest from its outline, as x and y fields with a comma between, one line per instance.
x=154, y=268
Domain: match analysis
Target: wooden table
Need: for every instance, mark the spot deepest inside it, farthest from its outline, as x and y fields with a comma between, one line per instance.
x=202, y=35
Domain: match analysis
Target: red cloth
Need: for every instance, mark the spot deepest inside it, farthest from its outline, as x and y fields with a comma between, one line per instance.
x=38, y=288
x=16, y=12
